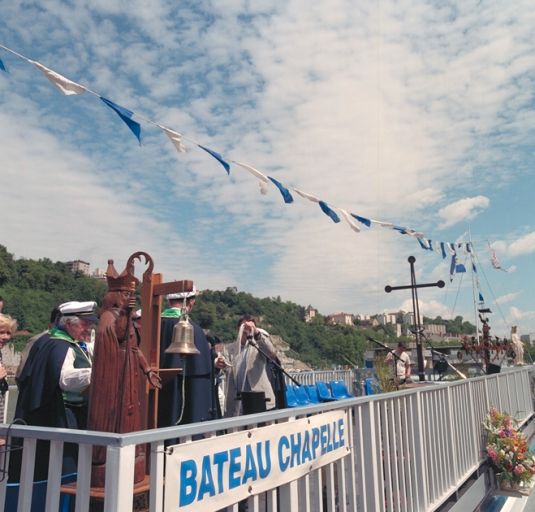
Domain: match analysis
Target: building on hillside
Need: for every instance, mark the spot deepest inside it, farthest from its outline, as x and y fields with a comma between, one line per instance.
x=310, y=313
x=407, y=318
x=98, y=273
x=387, y=318
x=78, y=266
x=435, y=330
x=340, y=319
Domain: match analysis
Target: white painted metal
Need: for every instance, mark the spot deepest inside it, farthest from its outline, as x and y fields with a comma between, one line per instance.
x=119, y=477
x=54, y=476
x=410, y=450
x=26, y=475
x=83, y=483
x=156, y=476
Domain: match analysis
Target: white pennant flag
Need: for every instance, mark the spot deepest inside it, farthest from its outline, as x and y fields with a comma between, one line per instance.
x=352, y=224
x=263, y=179
x=382, y=224
x=175, y=138
x=66, y=86
x=310, y=197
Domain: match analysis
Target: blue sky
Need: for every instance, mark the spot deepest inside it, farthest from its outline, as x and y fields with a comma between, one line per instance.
x=419, y=114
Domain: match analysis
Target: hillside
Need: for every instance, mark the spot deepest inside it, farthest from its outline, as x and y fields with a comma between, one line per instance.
x=31, y=288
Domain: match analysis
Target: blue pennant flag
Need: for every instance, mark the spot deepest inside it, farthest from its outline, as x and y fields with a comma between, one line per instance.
x=283, y=190
x=329, y=212
x=218, y=157
x=126, y=116
x=403, y=231
x=481, y=299
x=422, y=245
x=468, y=247
x=366, y=222
x=443, y=250
x=460, y=268
x=2, y=67
x=474, y=267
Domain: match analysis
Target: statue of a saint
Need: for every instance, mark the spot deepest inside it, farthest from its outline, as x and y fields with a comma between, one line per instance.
x=120, y=370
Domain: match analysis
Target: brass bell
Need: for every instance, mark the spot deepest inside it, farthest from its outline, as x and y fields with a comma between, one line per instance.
x=182, y=341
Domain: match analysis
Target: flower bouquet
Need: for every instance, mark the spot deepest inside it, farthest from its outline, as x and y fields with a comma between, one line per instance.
x=507, y=449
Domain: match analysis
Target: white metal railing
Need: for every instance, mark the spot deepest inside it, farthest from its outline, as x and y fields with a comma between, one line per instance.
x=311, y=377
x=410, y=451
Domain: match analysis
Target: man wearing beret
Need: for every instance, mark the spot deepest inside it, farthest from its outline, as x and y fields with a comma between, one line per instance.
x=189, y=396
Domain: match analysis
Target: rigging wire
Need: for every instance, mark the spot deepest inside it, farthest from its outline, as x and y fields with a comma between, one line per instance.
x=495, y=302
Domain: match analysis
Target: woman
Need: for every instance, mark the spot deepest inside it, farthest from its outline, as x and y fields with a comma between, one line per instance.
x=8, y=326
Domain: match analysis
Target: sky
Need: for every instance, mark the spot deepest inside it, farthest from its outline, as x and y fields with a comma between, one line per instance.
x=419, y=114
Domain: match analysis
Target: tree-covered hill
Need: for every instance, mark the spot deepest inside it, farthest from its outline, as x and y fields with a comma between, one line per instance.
x=32, y=288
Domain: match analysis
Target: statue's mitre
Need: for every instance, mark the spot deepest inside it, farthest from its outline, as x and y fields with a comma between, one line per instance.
x=125, y=281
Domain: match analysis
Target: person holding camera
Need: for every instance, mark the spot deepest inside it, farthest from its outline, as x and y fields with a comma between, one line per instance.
x=248, y=370
x=402, y=362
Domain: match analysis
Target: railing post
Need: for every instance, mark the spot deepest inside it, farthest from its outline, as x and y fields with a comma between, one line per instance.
x=420, y=445
x=119, y=478
x=369, y=460
x=157, y=456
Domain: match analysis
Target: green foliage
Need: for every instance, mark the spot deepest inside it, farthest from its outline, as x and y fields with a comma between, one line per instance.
x=31, y=289
x=315, y=343
x=455, y=326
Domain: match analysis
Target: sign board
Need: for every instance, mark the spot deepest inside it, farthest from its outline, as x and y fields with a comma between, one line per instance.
x=213, y=473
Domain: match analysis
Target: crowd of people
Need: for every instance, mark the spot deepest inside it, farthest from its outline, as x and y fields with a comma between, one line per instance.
x=59, y=364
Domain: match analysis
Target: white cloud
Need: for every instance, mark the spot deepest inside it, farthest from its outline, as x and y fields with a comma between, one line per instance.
x=382, y=112
x=522, y=246
x=518, y=315
x=428, y=308
x=509, y=297
x=462, y=210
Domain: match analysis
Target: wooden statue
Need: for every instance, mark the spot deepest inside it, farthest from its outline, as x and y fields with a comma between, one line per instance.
x=118, y=391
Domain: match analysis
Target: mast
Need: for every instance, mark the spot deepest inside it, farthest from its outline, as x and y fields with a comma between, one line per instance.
x=476, y=316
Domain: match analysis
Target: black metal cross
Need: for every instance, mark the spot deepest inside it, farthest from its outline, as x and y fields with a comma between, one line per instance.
x=416, y=312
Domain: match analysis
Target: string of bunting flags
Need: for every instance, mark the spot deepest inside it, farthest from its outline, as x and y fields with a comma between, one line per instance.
x=70, y=88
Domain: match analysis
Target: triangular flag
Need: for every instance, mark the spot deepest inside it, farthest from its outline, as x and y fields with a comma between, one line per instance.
x=283, y=190
x=2, y=67
x=218, y=157
x=383, y=224
x=349, y=220
x=453, y=266
x=363, y=220
x=329, y=212
x=443, y=250
x=310, y=197
x=460, y=268
x=481, y=299
x=263, y=180
x=64, y=85
x=175, y=138
x=126, y=116
x=424, y=244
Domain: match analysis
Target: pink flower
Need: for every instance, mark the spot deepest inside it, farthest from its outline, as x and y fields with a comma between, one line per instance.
x=492, y=454
x=519, y=469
